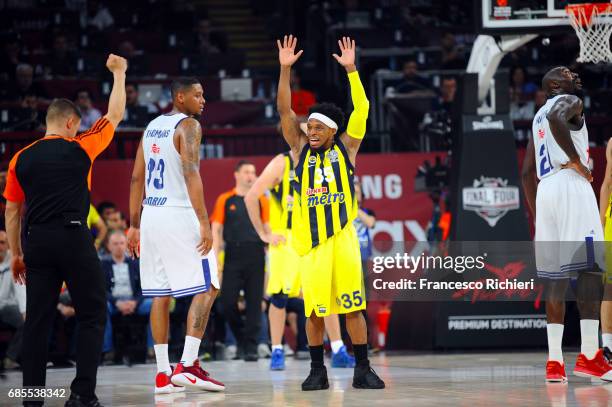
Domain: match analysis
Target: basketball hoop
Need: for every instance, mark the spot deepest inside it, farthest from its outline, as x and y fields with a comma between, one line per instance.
x=593, y=25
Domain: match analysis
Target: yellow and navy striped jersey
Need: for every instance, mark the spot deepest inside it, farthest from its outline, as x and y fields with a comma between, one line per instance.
x=324, y=200
x=281, y=198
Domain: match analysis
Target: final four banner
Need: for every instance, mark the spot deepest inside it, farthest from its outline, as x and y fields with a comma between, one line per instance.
x=486, y=184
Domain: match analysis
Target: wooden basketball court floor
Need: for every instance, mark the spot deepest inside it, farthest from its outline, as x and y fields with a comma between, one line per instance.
x=474, y=379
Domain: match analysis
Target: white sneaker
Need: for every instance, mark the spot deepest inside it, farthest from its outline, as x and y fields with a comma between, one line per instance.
x=263, y=350
x=288, y=350
x=230, y=352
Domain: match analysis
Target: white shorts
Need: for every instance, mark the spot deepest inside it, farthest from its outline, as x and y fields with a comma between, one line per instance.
x=569, y=236
x=169, y=261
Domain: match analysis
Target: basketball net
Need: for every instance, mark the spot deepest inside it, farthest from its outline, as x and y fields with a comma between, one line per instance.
x=593, y=26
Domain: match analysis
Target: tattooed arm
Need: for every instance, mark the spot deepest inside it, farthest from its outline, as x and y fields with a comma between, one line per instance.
x=189, y=133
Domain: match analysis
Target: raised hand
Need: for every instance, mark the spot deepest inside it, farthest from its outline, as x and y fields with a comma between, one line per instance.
x=347, y=54
x=286, y=51
x=115, y=63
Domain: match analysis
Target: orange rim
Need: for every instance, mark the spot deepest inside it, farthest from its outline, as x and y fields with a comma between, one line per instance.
x=583, y=13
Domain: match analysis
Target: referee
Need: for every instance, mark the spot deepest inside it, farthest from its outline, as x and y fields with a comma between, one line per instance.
x=52, y=177
x=245, y=257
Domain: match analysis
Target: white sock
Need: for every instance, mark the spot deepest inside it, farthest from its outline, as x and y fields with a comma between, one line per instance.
x=274, y=347
x=161, y=356
x=336, y=345
x=555, y=338
x=190, y=352
x=589, y=337
x=607, y=340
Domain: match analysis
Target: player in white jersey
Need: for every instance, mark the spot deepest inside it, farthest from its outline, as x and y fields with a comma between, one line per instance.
x=175, y=244
x=569, y=235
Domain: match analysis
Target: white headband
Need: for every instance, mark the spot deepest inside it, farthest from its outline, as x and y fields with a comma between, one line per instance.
x=323, y=119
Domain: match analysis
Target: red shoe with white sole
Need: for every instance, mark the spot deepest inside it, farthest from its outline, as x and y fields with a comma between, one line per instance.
x=608, y=357
x=163, y=385
x=555, y=372
x=195, y=377
x=598, y=367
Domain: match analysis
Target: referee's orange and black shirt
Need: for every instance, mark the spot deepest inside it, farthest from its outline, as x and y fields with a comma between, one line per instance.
x=230, y=211
x=53, y=174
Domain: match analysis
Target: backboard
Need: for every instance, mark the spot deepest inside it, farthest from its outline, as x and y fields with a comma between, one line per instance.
x=501, y=17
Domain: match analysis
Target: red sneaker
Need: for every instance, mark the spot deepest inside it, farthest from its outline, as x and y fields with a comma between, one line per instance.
x=597, y=367
x=195, y=377
x=608, y=357
x=163, y=385
x=555, y=372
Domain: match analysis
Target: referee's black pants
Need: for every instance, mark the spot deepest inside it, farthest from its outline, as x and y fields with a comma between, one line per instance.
x=244, y=269
x=53, y=254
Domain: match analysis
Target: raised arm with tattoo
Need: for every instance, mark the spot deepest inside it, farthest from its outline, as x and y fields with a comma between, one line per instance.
x=565, y=109
x=289, y=123
x=189, y=133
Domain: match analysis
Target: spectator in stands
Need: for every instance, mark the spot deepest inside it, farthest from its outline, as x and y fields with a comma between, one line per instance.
x=116, y=221
x=10, y=58
x=520, y=88
x=452, y=56
x=208, y=40
x=24, y=84
x=137, y=114
x=99, y=15
x=138, y=61
x=301, y=99
x=34, y=121
x=12, y=304
x=412, y=81
x=105, y=208
x=123, y=287
x=61, y=61
x=89, y=113
x=448, y=88
x=539, y=100
x=522, y=105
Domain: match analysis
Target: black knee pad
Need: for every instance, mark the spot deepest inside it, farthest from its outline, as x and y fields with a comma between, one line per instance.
x=279, y=300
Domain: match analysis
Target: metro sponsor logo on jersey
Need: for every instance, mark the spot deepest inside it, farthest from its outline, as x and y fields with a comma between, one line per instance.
x=155, y=149
x=541, y=133
x=326, y=199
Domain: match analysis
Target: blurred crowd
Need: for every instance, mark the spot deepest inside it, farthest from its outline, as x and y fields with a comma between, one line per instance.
x=55, y=48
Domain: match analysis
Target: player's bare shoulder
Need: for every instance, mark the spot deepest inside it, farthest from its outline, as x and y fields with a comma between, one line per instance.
x=187, y=138
x=569, y=109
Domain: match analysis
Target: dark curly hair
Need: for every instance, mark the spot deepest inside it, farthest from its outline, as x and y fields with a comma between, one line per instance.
x=330, y=110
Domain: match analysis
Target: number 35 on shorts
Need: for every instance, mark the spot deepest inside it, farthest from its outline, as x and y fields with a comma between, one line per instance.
x=348, y=301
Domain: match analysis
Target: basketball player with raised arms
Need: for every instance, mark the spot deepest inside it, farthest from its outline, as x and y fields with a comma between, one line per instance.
x=324, y=208
x=284, y=277
x=174, y=235
x=568, y=232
